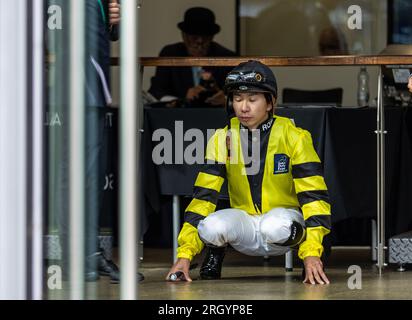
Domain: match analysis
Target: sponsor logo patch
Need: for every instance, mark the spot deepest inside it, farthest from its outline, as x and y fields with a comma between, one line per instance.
x=281, y=163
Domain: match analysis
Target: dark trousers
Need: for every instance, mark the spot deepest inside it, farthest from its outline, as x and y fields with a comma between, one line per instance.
x=94, y=182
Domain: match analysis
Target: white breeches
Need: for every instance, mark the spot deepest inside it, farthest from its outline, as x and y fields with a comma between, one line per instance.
x=254, y=235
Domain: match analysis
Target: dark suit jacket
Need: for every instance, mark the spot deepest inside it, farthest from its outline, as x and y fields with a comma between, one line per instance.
x=98, y=37
x=176, y=81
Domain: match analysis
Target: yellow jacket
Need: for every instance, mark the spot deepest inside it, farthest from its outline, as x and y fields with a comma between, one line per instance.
x=291, y=176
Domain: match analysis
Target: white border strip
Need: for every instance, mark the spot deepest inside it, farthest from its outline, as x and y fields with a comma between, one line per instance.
x=38, y=138
x=129, y=145
x=77, y=147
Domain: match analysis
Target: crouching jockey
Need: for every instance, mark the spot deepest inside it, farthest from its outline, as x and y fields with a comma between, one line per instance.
x=278, y=196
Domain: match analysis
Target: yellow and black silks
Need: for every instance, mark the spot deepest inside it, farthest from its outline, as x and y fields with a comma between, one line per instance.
x=291, y=177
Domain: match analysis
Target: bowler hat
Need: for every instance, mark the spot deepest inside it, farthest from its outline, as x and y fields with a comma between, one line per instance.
x=199, y=21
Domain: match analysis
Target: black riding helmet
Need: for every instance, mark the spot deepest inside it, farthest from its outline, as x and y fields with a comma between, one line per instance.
x=250, y=76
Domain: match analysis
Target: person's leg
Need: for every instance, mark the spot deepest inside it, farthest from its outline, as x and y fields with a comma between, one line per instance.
x=282, y=229
x=96, y=261
x=61, y=188
x=223, y=227
x=93, y=184
x=95, y=170
x=229, y=226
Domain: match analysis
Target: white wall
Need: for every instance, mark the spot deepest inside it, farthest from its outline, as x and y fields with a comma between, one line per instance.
x=158, y=27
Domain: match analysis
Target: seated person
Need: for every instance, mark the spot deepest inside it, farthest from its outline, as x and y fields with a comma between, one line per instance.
x=193, y=86
x=278, y=198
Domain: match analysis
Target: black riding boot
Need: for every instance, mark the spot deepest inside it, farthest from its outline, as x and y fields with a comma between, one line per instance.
x=212, y=265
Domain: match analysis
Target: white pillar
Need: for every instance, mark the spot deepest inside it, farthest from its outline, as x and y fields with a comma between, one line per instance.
x=37, y=137
x=13, y=146
x=77, y=148
x=129, y=144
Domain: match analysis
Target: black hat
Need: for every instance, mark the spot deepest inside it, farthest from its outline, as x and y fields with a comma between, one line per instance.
x=251, y=76
x=199, y=21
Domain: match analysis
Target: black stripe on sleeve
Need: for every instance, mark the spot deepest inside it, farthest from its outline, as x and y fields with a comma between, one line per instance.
x=319, y=220
x=193, y=218
x=306, y=197
x=307, y=169
x=217, y=169
x=205, y=194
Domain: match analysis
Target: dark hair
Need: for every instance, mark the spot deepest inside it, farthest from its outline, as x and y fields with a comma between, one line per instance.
x=269, y=100
x=268, y=97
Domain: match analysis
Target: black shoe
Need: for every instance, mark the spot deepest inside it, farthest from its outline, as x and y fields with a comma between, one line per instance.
x=92, y=267
x=97, y=265
x=115, y=277
x=108, y=268
x=212, y=265
x=105, y=266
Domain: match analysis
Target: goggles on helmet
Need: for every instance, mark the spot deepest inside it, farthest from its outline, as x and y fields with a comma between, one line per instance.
x=252, y=77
